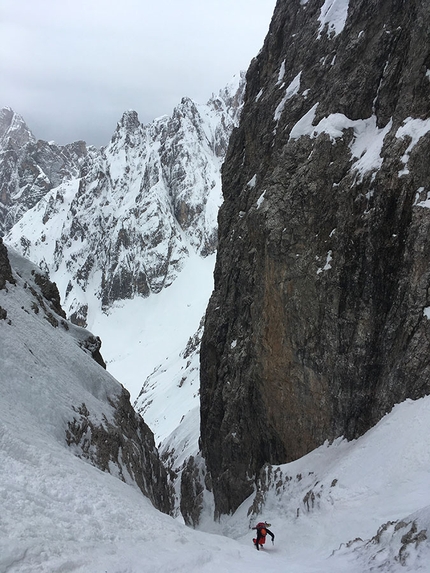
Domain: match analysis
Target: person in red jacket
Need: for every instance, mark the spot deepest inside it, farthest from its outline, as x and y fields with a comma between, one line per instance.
x=262, y=530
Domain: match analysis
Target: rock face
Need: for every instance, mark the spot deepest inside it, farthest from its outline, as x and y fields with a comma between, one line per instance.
x=138, y=209
x=318, y=323
x=5, y=269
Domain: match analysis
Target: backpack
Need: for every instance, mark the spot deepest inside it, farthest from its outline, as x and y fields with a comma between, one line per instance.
x=261, y=527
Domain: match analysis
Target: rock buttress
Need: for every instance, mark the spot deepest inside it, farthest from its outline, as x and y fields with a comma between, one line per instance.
x=318, y=321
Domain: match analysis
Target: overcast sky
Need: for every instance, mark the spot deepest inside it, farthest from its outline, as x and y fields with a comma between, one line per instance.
x=72, y=67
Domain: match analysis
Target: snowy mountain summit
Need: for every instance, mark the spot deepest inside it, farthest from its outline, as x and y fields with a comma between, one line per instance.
x=13, y=130
x=137, y=209
x=29, y=168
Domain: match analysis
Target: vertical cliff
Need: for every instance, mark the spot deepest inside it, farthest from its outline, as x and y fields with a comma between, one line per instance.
x=318, y=323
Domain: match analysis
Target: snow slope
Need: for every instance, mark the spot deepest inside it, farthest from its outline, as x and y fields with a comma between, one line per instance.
x=156, y=355
x=157, y=328
x=60, y=513
x=348, y=490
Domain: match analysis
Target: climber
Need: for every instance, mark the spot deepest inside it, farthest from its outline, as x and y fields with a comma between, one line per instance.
x=262, y=531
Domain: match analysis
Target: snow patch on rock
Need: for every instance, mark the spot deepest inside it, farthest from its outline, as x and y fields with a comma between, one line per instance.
x=333, y=15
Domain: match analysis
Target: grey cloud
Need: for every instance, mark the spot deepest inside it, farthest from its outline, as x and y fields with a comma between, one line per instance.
x=72, y=68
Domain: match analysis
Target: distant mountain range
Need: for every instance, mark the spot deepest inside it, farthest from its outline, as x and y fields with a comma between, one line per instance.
x=117, y=222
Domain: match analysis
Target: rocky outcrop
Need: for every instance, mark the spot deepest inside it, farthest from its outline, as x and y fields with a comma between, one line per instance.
x=319, y=319
x=192, y=491
x=139, y=209
x=124, y=447
x=5, y=268
x=396, y=542
x=50, y=292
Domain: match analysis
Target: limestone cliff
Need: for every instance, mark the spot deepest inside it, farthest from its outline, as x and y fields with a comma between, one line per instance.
x=318, y=323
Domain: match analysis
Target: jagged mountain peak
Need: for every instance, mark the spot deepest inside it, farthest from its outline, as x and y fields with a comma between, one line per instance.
x=187, y=102
x=29, y=168
x=129, y=133
x=130, y=118
x=233, y=93
x=14, y=132
x=129, y=121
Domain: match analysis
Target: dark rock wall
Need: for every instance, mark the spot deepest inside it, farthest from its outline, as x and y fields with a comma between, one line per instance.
x=317, y=325
x=5, y=268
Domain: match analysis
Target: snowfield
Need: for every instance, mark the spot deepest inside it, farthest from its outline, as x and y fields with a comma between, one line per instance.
x=60, y=514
